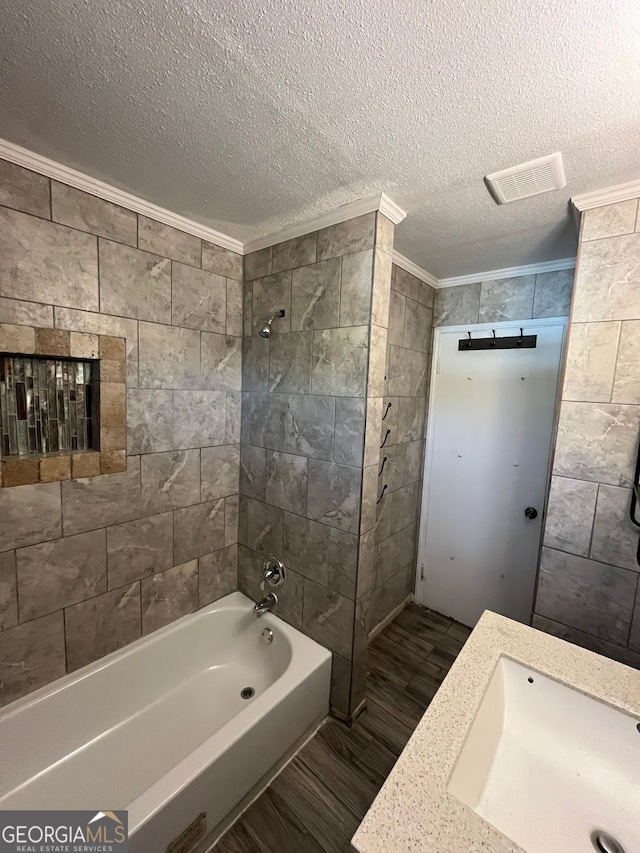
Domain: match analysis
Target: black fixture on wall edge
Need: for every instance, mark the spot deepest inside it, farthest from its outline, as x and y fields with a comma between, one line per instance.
x=635, y=498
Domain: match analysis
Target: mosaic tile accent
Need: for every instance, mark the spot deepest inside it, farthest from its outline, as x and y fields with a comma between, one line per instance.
x=46, y=406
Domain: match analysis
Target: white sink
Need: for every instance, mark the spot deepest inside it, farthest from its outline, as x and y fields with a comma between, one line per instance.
x=548, y=766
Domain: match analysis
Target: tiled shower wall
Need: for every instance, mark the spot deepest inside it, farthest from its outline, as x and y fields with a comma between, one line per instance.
x=402, y=444
x=312, y=401
x=88, y=565
x=588, y=585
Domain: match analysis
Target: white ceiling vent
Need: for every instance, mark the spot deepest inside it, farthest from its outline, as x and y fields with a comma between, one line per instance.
x=527, y=179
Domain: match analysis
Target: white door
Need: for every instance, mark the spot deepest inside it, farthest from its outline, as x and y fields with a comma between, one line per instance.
x=491, y=422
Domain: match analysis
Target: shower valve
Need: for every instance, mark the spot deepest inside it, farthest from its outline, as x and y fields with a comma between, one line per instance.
x=274, y=572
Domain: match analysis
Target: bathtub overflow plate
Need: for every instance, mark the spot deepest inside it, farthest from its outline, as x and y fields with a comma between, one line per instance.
x=605, y=843
x=267, y=636
x=247, y=692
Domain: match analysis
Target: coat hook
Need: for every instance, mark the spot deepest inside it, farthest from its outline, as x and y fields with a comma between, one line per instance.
x=521, y=338
x=384, y=489
x=387, y=434
x=493, y=342
x=384, y=462
x=386, y=411
x=468, y=343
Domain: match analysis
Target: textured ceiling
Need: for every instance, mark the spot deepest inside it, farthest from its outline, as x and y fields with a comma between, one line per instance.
x=248, y=115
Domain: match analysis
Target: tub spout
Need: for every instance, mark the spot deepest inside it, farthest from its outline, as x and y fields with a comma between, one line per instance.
x=265, y=605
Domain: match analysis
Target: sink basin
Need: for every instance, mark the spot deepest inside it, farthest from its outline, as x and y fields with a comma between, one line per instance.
x=549, y=766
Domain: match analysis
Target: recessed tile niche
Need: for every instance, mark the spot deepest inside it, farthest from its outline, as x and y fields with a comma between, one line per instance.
x=62, y=405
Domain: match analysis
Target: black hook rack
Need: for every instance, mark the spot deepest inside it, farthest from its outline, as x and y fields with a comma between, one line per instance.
x=384, y=489
x=521, y=341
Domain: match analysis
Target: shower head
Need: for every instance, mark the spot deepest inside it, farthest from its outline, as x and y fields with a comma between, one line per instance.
x=266, y=329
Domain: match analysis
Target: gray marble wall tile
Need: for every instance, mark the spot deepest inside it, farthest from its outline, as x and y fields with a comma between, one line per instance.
x=258, y=264
x=612, y=220
x=634, y=637
x=397, y=307
x=381, y=289
x=626, y=386
x=199, y=418
x=390, y=595
x=198, y=530
x=587, y=641
x=168, y=596
x=389, y=420
x=371, y=490
x=169, y=357
x=8, y=590
x=220, y=471
x=286, y=485
x=221, y=362
x=164, y=240
x=290, y=362
x=507, y=299
x=356, y=289
x=387, y=559
x=169, y=480
x=290, y=600
x=420, y=364
x=384, y=513
x=376, y=380
x=349, y=431
x=231, y=517
x=366, y=577
x=343, y=563
x=586, y=595
x=149, y=421
x=410, y=419
x=372, y=433
x=138, y=549
x=334, y=495
x=29, y=514
x=591, y=361
x=455, y=305
x=102, y=324
x=234, y=308
x=16, y=312
x=608, y=287
x=553, y=294
x=260, y=526
x=405, y=507
x=255, y=363
x=95, y=502
x=294, y=253
x=56, y=574
x=253, y=472
x=270, y=295
x=597, y=441
x=234, y=417
x=394, y=470
x=217, y=575
x=315, y=296
x=328, y=618
x=102, y=625
x=414, y=461
x=31, y=655
x=221, y=261
x=43, y=262
x=306, y=547
x=569, y=520
x=417, y=323
x=250, y=572
x=198, y=299
x=354, y=235
x=268, y=421
x=406, y=283
x=385, y=232
x=399, y=375
x=615, y=538
x=85, y=212
x=340, y=684
x=24, y=190
x=310, y=425
x=134, y=283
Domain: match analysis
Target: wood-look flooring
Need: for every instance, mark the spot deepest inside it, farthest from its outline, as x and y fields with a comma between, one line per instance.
x=316, y=804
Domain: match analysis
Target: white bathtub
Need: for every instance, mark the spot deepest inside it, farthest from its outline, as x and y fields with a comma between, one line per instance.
x=159, y=728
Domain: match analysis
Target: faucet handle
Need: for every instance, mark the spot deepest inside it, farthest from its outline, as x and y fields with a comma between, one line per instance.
x=275, y=573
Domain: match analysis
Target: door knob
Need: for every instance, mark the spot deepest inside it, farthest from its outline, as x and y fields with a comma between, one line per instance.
x=531, y=512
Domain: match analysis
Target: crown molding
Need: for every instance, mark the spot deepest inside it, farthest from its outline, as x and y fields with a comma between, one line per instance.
x=409, y=266
x=66, y=175
x=360, y=207
x=508, y=272
x=608, y=195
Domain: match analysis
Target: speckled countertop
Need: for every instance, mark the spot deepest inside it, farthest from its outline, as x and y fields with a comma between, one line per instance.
x=414, y=811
